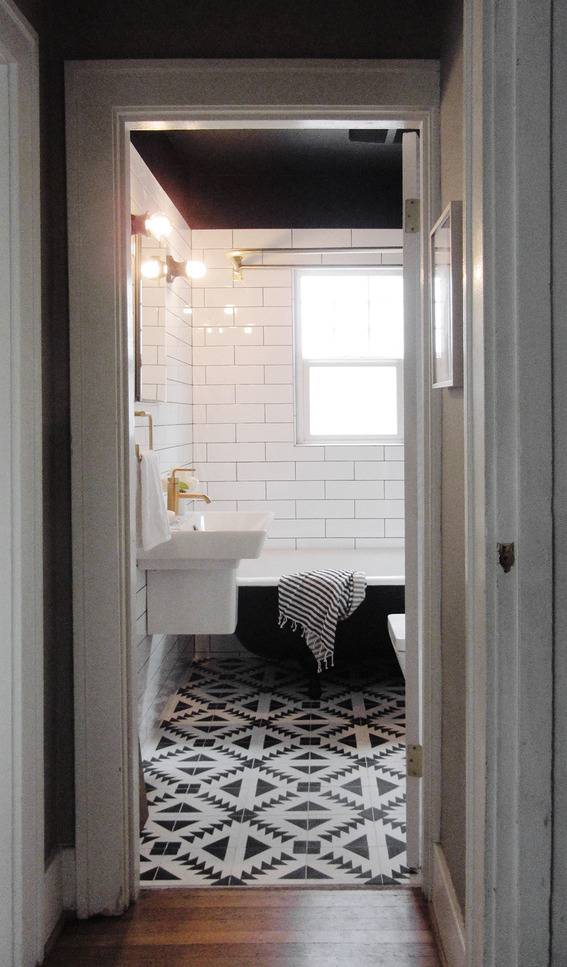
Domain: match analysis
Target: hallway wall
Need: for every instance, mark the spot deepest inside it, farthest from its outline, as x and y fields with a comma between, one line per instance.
x=453, y=816
x=85, y=29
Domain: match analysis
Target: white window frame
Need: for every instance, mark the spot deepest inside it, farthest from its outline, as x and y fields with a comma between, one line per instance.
x=303, y=366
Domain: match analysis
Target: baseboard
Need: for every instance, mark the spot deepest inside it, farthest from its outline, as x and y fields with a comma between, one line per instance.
x=51, y=941
x=58, y=892
x=446, y=913
x=52, y=901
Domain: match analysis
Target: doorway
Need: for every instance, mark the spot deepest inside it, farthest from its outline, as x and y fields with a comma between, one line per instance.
x=108, y=685
x=252, y=778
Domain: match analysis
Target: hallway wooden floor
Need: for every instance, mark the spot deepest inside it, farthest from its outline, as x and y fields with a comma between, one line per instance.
x=278, y=927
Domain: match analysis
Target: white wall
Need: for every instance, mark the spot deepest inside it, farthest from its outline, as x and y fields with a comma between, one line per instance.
x=244, y=430
x=167, y=392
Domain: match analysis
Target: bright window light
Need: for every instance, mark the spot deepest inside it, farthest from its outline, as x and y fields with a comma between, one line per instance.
x=349, y=352
x=353, y=401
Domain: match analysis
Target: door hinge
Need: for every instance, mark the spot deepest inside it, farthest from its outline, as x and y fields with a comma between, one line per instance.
x=414, y=761
x=411, y=215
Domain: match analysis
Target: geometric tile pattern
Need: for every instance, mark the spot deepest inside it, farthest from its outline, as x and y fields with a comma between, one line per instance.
x=253, y=784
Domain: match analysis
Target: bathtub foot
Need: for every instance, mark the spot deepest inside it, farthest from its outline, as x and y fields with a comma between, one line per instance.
x=314, y=689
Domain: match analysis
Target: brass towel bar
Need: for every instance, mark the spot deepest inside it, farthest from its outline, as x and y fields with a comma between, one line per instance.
x=150, y=420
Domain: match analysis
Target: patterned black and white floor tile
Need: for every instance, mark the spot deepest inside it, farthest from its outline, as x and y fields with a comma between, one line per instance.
x=251, y=783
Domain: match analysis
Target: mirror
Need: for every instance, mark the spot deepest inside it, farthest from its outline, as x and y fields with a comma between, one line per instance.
x=149, y=302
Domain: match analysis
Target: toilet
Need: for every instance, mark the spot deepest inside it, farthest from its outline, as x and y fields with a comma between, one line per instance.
x=397, y=631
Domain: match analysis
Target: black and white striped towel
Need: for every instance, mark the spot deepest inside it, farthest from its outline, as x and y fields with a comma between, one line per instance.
x=315, y=601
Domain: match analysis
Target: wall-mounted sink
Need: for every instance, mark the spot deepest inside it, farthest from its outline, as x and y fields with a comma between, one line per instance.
x=191, y=579
x=209, y=536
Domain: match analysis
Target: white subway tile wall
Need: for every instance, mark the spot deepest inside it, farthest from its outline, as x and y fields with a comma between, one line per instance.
x=167, y=355
x=244, y=427
x=167, y=331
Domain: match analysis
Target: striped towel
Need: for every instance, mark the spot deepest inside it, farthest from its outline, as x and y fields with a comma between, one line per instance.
x=316, y=601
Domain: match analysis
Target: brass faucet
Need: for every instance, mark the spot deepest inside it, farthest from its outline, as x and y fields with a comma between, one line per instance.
x=173, y=495
x=186, y=496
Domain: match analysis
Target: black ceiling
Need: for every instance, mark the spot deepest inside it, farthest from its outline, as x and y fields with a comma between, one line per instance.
x=285, y=148
x=247, y=28
x=278, y=178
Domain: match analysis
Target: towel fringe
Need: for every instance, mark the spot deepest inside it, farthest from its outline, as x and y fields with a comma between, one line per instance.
x=325, y=660
x=283, y=620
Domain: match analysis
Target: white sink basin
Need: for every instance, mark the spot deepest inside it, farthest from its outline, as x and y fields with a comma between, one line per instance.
x=191, y=579
x=209, y=536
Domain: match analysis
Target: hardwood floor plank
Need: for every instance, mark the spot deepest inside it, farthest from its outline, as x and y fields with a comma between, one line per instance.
x=311, y=897
x=290, y=926
x=271, y=928
x=251, y=955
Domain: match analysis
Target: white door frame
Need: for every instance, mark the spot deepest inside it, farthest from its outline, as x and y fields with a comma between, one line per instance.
x=422, y=506
x=104, y=101
x=21, y=543
x=508, y=433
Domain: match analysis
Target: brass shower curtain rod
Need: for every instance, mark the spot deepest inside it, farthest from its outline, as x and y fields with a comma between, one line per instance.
x=237, y=255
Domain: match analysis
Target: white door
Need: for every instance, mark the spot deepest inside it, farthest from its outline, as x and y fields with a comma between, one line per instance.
x=412, y=421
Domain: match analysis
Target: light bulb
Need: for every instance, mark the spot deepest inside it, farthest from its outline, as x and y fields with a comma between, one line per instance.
x=159, y=226
x=228, y=310
x=248, y=330
x=151, y=268
x=196, y=269
x=187, y=311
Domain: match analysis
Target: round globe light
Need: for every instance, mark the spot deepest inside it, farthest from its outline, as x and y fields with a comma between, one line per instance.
x=196, y=269
x=151, y=268
x=159, y=226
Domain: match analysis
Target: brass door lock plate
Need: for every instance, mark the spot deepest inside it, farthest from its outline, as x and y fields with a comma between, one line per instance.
x=414, y=761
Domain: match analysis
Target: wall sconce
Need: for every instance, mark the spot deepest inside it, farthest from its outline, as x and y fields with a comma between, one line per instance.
x=193, y=269
x=154, y=268
x=158, y=225
x=196, y=269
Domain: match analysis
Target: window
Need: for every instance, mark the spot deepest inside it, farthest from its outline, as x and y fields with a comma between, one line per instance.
x=349, y=352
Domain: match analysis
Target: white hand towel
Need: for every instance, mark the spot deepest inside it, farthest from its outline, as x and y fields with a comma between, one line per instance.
x=153, y=514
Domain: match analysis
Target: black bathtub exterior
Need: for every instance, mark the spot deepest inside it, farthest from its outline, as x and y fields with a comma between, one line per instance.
x=359, y=638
